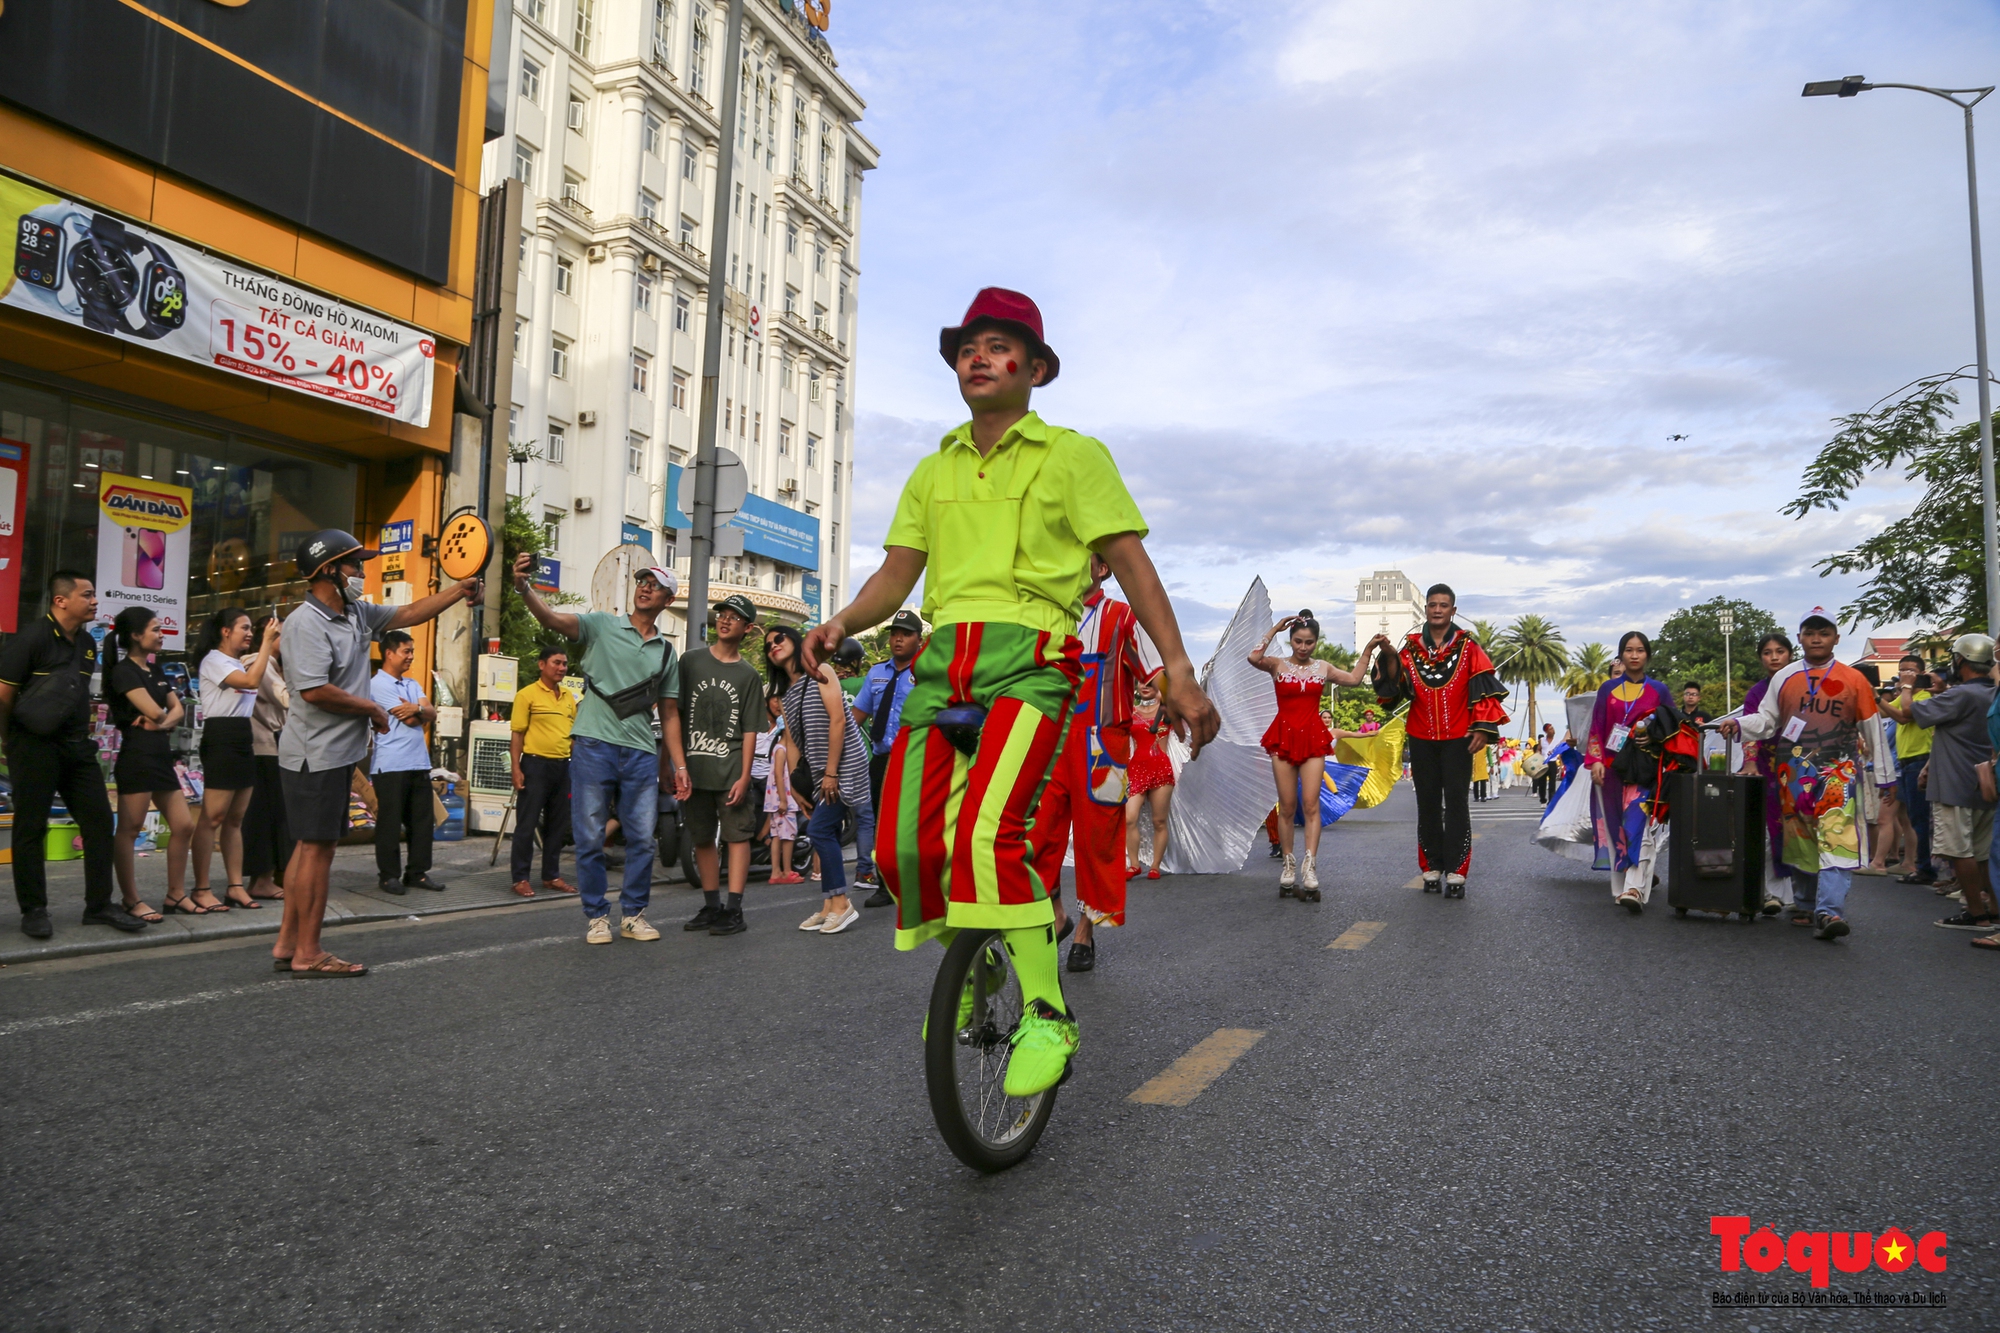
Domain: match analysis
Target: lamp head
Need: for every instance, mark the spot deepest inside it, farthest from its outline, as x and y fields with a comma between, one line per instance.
x=1847, y=87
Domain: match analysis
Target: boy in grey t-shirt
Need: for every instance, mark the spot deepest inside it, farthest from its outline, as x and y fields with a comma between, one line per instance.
x=721, y=705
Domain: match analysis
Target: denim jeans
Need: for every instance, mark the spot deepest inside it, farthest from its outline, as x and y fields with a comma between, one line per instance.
x=1918, y=803
x=864, y=840
x=824, y=830
x=603, y=776
x=1822, y=892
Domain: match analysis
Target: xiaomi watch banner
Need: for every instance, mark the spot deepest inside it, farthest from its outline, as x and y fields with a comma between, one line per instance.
x=75, y=264
x=143, y=530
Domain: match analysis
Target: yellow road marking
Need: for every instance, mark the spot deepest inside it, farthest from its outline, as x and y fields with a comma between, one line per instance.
x=1357, y=935
x=1188, y=1077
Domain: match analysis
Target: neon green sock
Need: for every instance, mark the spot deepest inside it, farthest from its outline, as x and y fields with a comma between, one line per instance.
x=1033, y=950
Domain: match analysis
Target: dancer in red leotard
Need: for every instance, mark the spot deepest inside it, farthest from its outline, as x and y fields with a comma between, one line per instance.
x=1298, y=740
x=1150, y=780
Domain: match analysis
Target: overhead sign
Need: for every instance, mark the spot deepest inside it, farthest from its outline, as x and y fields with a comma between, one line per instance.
x=143, y=532
x=74, y=264
x=770, y=529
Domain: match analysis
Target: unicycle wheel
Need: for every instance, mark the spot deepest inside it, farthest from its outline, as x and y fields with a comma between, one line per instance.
x=965, y=1056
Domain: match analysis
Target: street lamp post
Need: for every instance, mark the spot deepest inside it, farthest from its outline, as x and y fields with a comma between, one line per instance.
x=1850, y=86
x=1726, y=622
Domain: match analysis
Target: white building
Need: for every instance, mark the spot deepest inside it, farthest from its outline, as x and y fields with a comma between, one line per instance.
x=1386, y=602
x=612, y=126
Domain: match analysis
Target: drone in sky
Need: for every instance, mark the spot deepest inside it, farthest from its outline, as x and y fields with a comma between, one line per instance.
x=1672, y=438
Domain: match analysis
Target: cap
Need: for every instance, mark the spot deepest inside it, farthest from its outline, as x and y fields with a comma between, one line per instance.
x=739, y=604
x=666, y=578
x=1818, y=613
x=908, y=621
x=1974, y=648
x=326, y=545
x=997, y=305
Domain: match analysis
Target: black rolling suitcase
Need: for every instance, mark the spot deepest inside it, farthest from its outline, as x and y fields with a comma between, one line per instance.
x=1715, y=843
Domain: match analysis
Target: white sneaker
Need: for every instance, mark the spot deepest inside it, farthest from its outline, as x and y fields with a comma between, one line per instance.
x=1290, y=874
x=1309, y=873
x=599, y=932
x=634, y=927
x=839, y=921
x=815, y=921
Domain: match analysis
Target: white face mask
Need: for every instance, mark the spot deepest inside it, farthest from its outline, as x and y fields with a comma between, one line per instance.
x=357, y=586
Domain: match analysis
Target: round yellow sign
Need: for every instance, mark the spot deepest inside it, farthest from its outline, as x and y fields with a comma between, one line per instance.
x=464, y=547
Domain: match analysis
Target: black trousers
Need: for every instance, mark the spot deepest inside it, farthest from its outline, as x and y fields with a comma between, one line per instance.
x=542, y=805
x=1441, y=771
x=1480, y=790
x=40, y=768
x=267, y=836
x=878, y=769
x=403, y=800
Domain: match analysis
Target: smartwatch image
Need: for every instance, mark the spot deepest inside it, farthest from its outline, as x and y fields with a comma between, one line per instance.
x=38, y=248
x=110, y=285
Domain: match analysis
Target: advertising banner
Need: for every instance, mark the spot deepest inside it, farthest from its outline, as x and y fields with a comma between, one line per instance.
x=769, y=528
x=143, y=536
x=71, y=263
x=809, y=591
x=13, y=529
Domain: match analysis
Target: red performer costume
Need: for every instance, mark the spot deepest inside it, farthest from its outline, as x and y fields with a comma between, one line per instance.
x=1299, y=731
x=1089, y=785
x=1453, y=692
x=1150, y=766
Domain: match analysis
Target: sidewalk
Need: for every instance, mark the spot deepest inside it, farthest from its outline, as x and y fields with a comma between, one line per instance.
x=471, y=884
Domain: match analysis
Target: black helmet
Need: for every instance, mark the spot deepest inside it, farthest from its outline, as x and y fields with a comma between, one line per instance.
x=327, y=545
x=850, y=653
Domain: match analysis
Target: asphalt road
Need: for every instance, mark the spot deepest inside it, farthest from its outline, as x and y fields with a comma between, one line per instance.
x=1518, y=1111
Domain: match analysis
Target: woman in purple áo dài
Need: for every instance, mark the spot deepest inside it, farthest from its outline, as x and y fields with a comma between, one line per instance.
x=1628, y=837
x=1774, y=650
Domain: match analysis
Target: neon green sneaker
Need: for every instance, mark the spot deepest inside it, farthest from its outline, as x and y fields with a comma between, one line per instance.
x=965, y=1000
x=1043, y=1045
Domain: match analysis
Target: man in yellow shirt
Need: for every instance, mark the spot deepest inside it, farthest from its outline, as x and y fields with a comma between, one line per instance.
x=543, y=714
x=1913, y=752
x=1000, y=523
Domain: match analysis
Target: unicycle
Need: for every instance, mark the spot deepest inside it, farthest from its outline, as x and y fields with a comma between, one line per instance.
x=965, y=1057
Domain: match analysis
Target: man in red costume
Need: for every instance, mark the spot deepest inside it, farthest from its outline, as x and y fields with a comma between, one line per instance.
x=1454, y=713
x=1088, y=787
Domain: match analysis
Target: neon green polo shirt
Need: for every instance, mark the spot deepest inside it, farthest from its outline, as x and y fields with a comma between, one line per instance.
x=1913, y=741
x=1008, y=537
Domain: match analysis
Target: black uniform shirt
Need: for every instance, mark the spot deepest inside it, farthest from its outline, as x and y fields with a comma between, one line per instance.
x=40, y=649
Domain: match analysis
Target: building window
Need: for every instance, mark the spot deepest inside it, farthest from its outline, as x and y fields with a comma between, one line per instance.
x=649, y=206
x=812, y=450
x=791, y=238
x=642, y=295
x=642, y=373
x=650, y=137
x=837, y=405
x=812, y=385
x=524, y=251
x=538, y=10
x=836, y=476
x=756, y=428
x=833, y=541
x=531, y=81
x=524, y=164
x=680, y=391
x=580, y=33
x=552, y=529
x=635, y=455
x=819, y=259
x=791, y=300
x=520, y=338
x=767, y=220
x=559, y=357
x=698, y=50
x=573, y=188
x=663, y=27
x=576, y=113
x=687, y=230
x=552, y=452
x=785, y=372
x=681, y=315
x=842, y=307
x=784, y=439
x=742, y=419
x=513, y=425
x=566, y=275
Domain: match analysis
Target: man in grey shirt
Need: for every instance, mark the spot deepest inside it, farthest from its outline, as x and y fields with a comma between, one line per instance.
x=326, y=728
x=1961, y=816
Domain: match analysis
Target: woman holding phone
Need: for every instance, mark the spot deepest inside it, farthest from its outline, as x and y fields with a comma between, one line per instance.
x=146, y=710
x=228, y=755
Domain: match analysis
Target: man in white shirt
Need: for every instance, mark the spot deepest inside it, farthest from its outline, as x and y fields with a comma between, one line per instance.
x=402, y=771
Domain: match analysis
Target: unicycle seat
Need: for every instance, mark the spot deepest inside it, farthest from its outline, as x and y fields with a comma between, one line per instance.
x=960, y=724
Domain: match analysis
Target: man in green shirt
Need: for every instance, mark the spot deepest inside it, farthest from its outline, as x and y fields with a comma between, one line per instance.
x=1000, y=523
x=722, y=699
x=614, y=757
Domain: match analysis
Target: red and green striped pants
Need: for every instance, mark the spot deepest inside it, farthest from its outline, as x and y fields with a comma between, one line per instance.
x=951, y=836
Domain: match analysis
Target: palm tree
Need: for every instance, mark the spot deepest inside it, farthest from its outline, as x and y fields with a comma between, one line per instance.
x=1586, y=670
x=1530, y=652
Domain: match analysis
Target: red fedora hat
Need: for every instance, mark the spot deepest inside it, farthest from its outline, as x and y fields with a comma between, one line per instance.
x=997, y=305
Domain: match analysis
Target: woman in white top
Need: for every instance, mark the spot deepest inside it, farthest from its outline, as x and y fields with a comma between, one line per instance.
x=228, y=756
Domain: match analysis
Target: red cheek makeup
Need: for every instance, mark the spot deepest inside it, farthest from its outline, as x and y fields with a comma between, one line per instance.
x=1011, y=368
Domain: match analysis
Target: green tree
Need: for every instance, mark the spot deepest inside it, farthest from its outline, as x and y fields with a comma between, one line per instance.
x=1689, y=644
x=521, y=635
x=1485, y=633
x=1928, y=566
x=1587, y=669
x=1530, y=652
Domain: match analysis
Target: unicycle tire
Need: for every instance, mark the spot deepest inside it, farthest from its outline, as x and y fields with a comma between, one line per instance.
x=965, y=1066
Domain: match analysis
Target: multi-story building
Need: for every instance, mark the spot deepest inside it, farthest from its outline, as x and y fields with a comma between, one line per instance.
x=612, y=125
x=1386, y=602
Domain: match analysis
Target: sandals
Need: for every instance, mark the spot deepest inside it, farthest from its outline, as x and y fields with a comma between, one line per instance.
x=1152, y=874
x=185, y=905
x=1986, y=942
x=222, y=906
x=329, y=967
x=141, y=912
x=281, y=964
x=247, y=903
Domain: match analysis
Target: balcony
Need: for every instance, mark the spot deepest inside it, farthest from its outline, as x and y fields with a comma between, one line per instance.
x=693, y=252
x=575, y=207
x=658, y=64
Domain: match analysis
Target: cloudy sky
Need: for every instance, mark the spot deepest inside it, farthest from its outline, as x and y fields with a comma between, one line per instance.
x=1426, y=284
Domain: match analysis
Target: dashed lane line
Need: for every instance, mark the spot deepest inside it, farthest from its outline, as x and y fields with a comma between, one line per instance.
x=21, y=1025
x=1188, y=1077
x=1358, y=935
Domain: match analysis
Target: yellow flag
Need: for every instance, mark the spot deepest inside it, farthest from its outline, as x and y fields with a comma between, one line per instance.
x=1381, y=752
